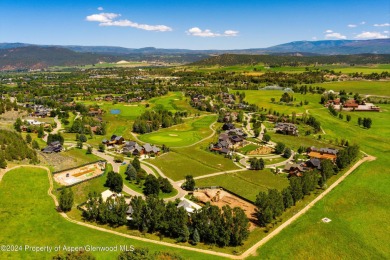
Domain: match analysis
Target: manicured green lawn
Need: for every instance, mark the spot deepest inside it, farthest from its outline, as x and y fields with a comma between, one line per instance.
x=173, y=101
x=248, y=148
x=28, y=217
x=248, y=183
x=184, y=134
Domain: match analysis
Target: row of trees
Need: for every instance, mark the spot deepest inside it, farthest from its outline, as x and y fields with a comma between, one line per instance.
x=257, y=164
x=211, y=225
x=365, y=122
x=271, y=205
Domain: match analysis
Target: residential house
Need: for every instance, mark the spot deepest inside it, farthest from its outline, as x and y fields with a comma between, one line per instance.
x=53, y=147
x=322, y=153
x=188, y=205
x=286, y=128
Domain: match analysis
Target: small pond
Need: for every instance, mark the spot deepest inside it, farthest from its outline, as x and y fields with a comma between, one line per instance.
x=115, y=111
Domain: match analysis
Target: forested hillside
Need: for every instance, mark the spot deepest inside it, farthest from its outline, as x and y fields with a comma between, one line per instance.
x=14, y=147
x=243, y=59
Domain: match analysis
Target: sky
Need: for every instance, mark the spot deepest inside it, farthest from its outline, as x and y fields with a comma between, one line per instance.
x=206, y=24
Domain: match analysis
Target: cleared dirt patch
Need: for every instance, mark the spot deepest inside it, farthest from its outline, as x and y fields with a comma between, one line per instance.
x=72, y=176
x=220, y=198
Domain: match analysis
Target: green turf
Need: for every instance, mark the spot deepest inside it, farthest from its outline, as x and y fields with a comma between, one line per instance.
x=191, y=131
x=28, y=217
x=247, y=183
x=248, y=148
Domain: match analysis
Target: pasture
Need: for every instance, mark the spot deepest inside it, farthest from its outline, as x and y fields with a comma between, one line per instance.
x=357, y=207
x=191, y=131
x=262, y=98
x=27, y=211
x=246, y=183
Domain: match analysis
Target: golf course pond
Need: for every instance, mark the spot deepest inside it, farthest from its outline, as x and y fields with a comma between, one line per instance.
x=115, y=111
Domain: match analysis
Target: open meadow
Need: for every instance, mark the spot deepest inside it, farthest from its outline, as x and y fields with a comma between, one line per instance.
x=374, y=88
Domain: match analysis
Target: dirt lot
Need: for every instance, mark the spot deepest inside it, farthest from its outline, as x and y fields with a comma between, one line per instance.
x=261, y=150
x=69, y=177
x=226, y=198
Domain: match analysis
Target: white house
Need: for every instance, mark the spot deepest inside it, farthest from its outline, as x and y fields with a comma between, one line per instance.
x=188, y=205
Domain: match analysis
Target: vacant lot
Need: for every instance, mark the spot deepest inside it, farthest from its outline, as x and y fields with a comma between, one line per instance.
x=247, y=184
x=25, y=190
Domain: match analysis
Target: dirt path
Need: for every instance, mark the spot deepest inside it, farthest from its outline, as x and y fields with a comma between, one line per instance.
x=253, y=249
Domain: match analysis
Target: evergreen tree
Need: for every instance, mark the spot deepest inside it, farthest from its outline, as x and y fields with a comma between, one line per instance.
x=17, y=125
x=287, y=153
x=165, y=185
x=89, y=149
x=296, y=189
x=279, y=148
x=66, y=199
x=102, y=148
x=136, y=164
x=35, y=145
x=28, y=138
x=287, y=198
x=131, y=172
x=266, y=138
x=195, y=236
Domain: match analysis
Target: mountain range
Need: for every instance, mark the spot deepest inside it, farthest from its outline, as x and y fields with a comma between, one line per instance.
x=25, y=55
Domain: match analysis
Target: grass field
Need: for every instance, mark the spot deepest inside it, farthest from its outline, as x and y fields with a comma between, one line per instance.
x=191, y=131
x=248, y=148
x=173, y=101
x=380, y=88
x=247, y=184
x=28, y=217
x=358, y=206
x=262, y=98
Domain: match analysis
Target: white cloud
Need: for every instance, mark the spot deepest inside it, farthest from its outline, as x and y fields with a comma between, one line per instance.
x=147, y=27
x=335, y=35
x=230, y=33
x=196, y=31
x=382, y=25
x=314, y=38
x=100, y=8
x=108, y=19
x=328, y=31
x=371, y=35
x=385, y=31
x=363, y=22
x=352, y=25
x=102, y=17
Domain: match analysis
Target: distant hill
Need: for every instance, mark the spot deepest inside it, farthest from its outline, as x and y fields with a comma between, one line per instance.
x=24, y=55
x=246, y=59
x=34, y=57
x=378, y=46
